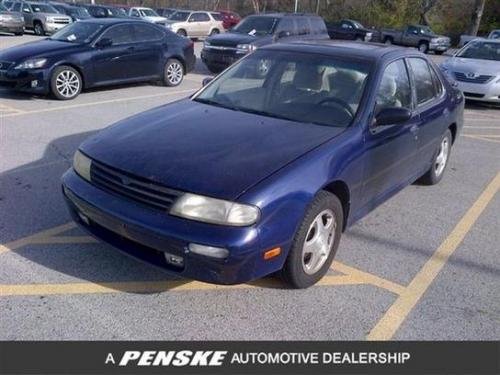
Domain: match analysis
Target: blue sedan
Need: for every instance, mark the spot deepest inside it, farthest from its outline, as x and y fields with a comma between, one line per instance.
x=264, y=168
x=97, y=52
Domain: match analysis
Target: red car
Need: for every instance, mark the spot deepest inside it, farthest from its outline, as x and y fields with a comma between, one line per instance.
x=229, y=19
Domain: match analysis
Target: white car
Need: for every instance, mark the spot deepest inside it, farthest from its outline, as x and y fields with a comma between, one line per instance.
x=195, y=24
x=476, y=69
x=147, y=14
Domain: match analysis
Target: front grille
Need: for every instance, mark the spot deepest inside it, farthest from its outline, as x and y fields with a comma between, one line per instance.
x=473, y=95
x=61, y=20
x=4, y=65
x=481, y=79
x=132, y=187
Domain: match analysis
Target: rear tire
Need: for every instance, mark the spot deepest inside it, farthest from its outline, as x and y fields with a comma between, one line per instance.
x=173, y=73
x=315, y=242
x=214, y=32
x=38, y=29
x=439, y=162
x=66, y=83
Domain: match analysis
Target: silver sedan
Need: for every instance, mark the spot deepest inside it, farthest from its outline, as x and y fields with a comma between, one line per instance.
x=476, y=69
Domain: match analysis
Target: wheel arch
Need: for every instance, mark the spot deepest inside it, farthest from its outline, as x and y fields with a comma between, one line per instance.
x=341, y=190
x=74, y=66
x=453, y=130
x=181, y=60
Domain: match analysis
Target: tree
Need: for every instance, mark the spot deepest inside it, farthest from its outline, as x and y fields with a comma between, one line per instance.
x=425, y=7
x=477, y=14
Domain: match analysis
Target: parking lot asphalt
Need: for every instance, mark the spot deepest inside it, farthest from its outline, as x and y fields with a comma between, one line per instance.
x=425, y=265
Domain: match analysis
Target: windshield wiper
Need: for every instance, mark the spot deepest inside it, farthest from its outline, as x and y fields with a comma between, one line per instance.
x=215, y=104
x=265, y=113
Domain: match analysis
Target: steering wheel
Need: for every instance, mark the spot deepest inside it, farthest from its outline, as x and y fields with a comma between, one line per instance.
x=340, y=103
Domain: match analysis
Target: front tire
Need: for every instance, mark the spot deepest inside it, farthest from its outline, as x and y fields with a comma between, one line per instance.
x=66, y=83
x=440, y=161
x=214, y=32
x=315, y=243
x=182, y=32
x=423, y=47
x=173, y=73
x=38, y=29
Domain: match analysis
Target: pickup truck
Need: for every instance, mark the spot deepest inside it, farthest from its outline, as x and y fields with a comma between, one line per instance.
x=418, y=36
x=350, y=30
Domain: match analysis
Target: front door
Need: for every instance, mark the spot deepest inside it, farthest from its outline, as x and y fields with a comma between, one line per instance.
x=113, y=63
x=390, y=149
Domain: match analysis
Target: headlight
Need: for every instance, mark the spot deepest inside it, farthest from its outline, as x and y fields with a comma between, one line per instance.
x=435, y=40
x=81, y=164
x=368, y=37
x=246, y=47
x=206, y=44
x=215, y=211
x=31, y=64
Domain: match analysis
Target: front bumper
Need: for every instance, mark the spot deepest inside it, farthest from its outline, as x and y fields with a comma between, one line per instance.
x=221, y=57
x=148, y=234
x=29, y=80
x=489, y=93
x=12, y=26
x=51, y=28
x=441, y=47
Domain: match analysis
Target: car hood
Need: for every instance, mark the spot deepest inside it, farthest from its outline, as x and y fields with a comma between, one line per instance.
x=33, y=49
x=155, y=19
x=232, y=39
x=486, y=67
x=204, y=149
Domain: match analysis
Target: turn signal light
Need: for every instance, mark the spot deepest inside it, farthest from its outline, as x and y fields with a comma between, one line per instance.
x=273, y=253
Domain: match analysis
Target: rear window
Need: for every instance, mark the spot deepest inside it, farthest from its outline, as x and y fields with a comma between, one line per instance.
x=303, y=26
x=318, y=26
x=216, y=16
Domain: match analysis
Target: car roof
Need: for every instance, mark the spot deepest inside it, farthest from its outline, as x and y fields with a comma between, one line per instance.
x=112, y=21
x=368, y=51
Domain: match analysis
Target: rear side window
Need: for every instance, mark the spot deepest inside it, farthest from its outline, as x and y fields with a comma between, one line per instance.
x=318, y=26
x=199, y=17
x=216, y=16
x=119, y=34
x=146, y=33
x=394, y=89
x=424, y=83
x=303, y=27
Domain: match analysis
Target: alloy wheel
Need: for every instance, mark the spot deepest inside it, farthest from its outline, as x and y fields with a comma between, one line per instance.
x=67, y=83
x=442, y=157
x=174, y=73
x=318, y=242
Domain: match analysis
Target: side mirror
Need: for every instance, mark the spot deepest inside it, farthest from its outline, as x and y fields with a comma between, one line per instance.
x=392, y=116
x=283, y=34
x=206, y=81
x=104, y=42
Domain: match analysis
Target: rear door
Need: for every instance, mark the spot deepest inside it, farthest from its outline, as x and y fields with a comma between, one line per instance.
x=148, y=51
x=429, y=95
x=27, y=14
x=391, y=149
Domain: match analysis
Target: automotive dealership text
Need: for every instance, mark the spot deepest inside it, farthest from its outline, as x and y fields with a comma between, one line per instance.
x=216, y=358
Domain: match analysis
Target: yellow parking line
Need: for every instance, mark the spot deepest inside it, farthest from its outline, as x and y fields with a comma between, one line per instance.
x=397, y=313
x=481, y=138
x=71, y=106
x=485, y=135
x=34, y=238
x=158, y=286
x=6, y=108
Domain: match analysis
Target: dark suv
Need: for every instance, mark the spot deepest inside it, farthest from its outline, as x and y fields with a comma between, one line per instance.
x=220, y=51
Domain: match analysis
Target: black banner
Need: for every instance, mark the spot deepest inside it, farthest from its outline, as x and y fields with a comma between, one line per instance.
x=263, y=357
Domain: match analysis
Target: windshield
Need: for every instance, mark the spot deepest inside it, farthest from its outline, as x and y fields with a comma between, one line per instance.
x=43, y=8
x=179, y=16
x=481, y=50
x=425, y=30
x=148, y=13
x=306, y=88
x=117, y=12
x=78, y=32
x=357, y=25
x=2, y=8
x=495, y=35
x=256, y=25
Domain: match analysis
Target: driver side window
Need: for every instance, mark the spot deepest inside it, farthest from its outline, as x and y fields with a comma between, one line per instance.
x=394, y=89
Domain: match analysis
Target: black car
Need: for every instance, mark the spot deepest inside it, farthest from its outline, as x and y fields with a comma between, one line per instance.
x=97, y=52
x=75, y=12
x=349, y=30
x=220, y=51
x=105, y=11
